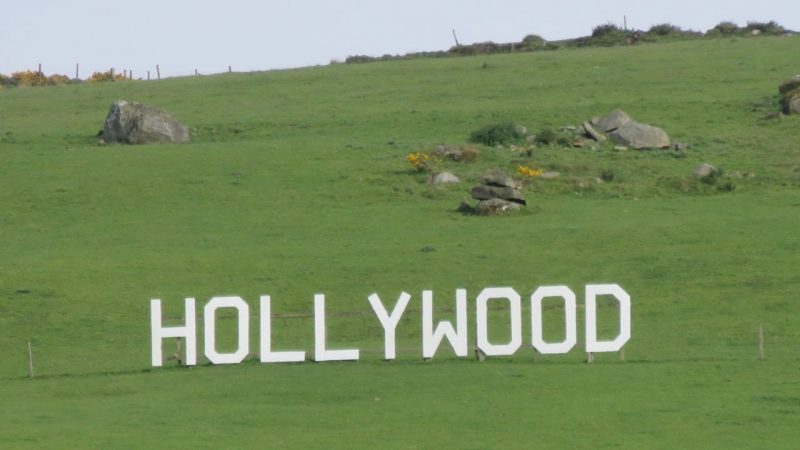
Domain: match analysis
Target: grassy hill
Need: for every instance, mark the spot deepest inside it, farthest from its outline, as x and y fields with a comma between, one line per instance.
x=296, y=183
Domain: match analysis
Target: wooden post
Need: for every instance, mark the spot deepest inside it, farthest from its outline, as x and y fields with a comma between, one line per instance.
x=148, y=75
x=76, y=70
x=229, y=69
x=455, y=37
x=30, y=360
x=158, y=72
x=130, y=74
x=625, y=23
x=195, y=72
x=112, y=74
x=760, y=342
x=124, y=74
x=41, y=75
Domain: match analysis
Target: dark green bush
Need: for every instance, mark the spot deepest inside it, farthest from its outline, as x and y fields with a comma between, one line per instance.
x=724, y=28
x=769, y=28
x=664, y=29
x=497, y=134
x=604, y=30
x=546, y=137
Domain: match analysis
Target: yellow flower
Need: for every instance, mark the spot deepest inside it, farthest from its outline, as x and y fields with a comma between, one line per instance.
x=528, y=172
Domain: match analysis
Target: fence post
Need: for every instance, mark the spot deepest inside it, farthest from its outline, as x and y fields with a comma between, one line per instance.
x=158, y=71
x=30, y=360
x=148, y=75
x=76, y=71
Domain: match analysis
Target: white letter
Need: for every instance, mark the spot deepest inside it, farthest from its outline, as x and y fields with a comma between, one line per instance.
x=188, y=332
x=592, y=291
x=267, y=355
x=483, y=327
x=570, y=319
x=209, y=316
x=431, y=339
x=320, y=352
x=389, y=322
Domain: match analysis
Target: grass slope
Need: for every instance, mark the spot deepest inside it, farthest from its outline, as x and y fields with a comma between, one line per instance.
x=296, y=183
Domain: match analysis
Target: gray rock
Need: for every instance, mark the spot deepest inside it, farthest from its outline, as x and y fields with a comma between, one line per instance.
x=791, y=103
x=496, y=207
x=620, y=148
x=484, y=192
x=500, y=178
x=589, y=130
x=456, y=153
x=704, y=171
x=640, y=136
x=613, y=120
x=444, y=178
x=790, y=84
x=135, y=123
x=550, y=175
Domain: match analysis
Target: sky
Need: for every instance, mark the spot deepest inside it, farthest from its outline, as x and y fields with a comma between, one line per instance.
x=183, y=35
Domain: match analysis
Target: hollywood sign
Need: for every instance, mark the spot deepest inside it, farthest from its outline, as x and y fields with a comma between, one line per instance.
x=432, y=336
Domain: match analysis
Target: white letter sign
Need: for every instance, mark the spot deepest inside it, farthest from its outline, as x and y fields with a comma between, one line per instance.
x=158, y=332
x=457, y=337
x=209, y=316
x=482, y=303
x=592, y=344
x=570, y=319
x=267, y=355
x=320, y=333
x=389, y=322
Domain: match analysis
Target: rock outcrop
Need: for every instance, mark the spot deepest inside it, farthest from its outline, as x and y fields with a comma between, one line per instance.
x=498, y=194
x=640, y=136
x=135, y=123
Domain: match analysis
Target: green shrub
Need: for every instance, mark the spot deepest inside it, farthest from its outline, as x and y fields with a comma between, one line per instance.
x=498, y=134
x=605, y=30
x=724, y=28
x=546, y=137
x=769, y=28
x=664, y=29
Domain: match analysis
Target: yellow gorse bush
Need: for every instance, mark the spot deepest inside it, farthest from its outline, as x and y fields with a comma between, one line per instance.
x=99, y=77
x=528, y=171
x=419, y=160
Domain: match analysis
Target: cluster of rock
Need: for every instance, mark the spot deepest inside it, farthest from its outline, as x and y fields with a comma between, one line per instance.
x=790, y=90
x=135, y=123
x=498, y=194
x=458, y=154
x=624, y=131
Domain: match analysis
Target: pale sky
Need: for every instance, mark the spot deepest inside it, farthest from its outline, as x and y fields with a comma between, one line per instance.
x=184, y=35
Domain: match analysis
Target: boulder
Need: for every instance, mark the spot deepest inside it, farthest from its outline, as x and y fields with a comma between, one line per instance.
x=455, y=153
x=135, y=123
x=791, y=103
x=704, y=171
x=501, y=179
x=589, y=130
x=484, y=192
x=613, y=120
x=550, y=175
x=496, y=207
x=444, y=178
x=790, y=84
x=640, y=136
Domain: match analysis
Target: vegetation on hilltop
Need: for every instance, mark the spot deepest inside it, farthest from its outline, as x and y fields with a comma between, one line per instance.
x=604, y=35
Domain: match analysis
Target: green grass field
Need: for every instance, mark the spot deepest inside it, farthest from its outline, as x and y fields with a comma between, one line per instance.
x=296, y=182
